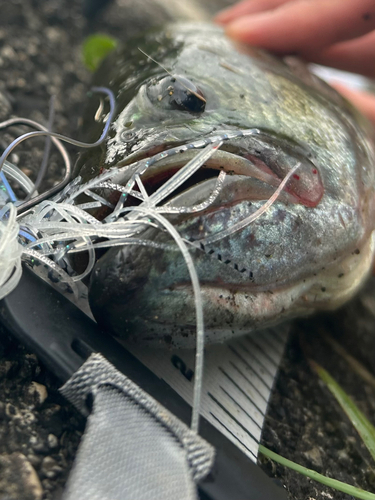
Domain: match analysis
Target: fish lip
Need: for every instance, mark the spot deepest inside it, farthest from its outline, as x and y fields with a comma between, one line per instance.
x=221, y=161
x=224, y=160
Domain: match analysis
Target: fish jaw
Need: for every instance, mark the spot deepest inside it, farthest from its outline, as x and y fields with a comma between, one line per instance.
x=297, y=258
x=282, y=265
x=148, y=300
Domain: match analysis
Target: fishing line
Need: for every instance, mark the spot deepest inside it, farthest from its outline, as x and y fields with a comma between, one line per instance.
x=199, y=356
x=63, y=227
x=9, y=190
x=69, y=140
x=31, y=123
x=148, y=210
x=173, y=76
x=47, y=149
x=11, y=170
x=10, y=251
x=251, y=218
x=168, y=209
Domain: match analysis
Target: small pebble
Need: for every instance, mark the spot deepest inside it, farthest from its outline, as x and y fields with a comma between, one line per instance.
x=53, y=441
x=50, y=467
x=27, y=478
x=11, y=411
x=14, y=158
x=27, y=418
x=35, y=460
x=38, y=445
x=314, y=457
x=38, y=392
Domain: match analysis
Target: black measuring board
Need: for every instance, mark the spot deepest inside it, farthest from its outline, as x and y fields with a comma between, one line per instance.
x=63, y=337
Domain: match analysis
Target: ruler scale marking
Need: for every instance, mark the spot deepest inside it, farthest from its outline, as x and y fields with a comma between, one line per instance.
x=249, y=367
x=254, y=456
x=250, y=382
x=242, y=409
x=262, y=367
x=225, y=410
x=246, y=401
x=243, y=392
x=264, y=354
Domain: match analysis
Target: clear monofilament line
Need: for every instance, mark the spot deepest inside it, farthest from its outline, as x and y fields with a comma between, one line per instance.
x=183, y=174
x=10, y=252
x=251, y=218
x=64, y=227
x=199, y=356
x=169, y=209
x=45, y=132
x=47, y=149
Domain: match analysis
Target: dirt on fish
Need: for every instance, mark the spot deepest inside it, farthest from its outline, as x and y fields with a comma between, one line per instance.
x=39, y=431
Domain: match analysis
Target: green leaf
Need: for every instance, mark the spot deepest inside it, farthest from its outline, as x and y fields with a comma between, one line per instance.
x=328, y=481
x=95, y=48
x=362, y=425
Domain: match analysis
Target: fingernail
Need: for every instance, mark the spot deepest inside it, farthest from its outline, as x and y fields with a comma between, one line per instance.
x=238, y=29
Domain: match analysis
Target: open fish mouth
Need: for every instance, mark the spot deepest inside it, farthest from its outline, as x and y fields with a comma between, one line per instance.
x=247, y=156
x=251, y=275
x=250, y=165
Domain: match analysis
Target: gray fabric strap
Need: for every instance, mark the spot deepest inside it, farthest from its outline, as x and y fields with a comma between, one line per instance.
x=133, y=448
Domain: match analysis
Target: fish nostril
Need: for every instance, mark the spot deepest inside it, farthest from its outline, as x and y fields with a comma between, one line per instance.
x=127, y=136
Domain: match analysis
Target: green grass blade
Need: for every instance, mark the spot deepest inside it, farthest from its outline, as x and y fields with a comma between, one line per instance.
x=362, y=425
x=333, y=483
x=95, y=48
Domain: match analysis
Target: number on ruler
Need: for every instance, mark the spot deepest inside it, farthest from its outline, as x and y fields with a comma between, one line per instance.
x=181, y=366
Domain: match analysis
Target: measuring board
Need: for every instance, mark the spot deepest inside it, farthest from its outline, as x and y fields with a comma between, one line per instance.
x=237, y=381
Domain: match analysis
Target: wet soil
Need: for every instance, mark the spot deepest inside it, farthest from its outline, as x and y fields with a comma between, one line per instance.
x=304, y=423
x=39, y=432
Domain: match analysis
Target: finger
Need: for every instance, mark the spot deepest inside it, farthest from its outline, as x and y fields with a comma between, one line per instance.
x=357, y=56
x=305, y=26
x=245, y=8
x=364, y=101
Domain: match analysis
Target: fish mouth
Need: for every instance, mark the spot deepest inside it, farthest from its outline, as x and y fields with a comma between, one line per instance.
x=263, y=158
x=248, y=281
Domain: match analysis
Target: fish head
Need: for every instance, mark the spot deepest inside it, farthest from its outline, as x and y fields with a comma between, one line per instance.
x=310, y=250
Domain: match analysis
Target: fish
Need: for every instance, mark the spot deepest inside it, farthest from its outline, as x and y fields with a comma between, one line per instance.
x=311, y=250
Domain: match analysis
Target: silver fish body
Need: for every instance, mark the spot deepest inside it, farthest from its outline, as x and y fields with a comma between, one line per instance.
x=311, y=250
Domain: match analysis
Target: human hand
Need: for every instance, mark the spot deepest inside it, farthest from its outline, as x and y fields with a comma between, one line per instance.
x=337, y=33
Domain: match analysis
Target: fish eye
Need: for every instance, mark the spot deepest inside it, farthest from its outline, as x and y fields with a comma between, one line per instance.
x=177, y=92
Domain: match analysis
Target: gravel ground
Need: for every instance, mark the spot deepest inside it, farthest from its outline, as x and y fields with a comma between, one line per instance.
x=39, y=432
